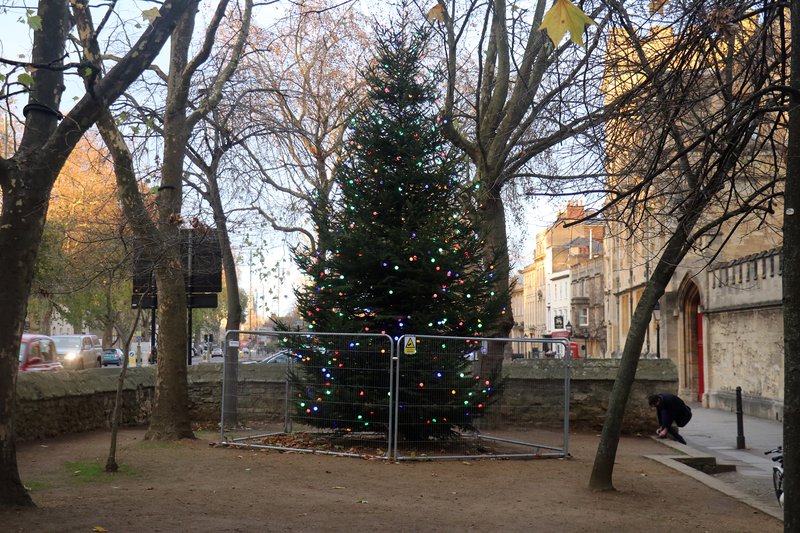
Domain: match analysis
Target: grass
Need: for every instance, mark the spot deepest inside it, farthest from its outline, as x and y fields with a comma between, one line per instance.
x=35, y=486
x=94, y=472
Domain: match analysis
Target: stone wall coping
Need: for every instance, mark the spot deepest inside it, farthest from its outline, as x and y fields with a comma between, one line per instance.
x=51, y=385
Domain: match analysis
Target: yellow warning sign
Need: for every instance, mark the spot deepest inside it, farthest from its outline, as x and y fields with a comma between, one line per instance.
x=411, y=346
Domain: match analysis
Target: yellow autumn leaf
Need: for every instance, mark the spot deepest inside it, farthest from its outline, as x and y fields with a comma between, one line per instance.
x=99, y=529
x=150, y=15
x=564, y=17
x=437, y=12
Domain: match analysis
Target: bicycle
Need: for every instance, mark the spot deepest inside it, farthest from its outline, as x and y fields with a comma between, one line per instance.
x=777, y=472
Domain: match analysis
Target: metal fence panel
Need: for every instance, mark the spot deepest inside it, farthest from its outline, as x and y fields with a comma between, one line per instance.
x=422, y=397
x=334, y=387
x=449, y=398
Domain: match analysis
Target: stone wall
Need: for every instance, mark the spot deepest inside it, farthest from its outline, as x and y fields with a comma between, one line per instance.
x=534, y=392
x=744, y=334
x=50, y=404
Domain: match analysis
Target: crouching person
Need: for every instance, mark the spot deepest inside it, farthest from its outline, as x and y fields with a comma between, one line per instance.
x=669, y=409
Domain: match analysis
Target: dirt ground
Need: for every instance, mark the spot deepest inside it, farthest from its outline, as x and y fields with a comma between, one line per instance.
x=194, y=486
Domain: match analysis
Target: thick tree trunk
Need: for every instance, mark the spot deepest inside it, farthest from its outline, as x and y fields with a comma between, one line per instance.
x=493, y=223
x=27, y=179
x=26, y=182
x=493, y=218
x=170, y=418
x=791, y=295
x=22, y=220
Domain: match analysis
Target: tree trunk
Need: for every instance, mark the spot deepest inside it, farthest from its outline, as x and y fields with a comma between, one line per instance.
x=493, y=223
x=111, y=461
x=791, y=294
x=674, y=252
x=27, y=180
x=493, y=218
x=22, y=220
x=170, y=418
x=233, y=320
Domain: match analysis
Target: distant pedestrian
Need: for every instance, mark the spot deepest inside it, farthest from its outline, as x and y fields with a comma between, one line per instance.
x=669, y=409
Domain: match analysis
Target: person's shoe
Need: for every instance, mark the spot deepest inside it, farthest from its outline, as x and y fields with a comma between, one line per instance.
x=680, y=439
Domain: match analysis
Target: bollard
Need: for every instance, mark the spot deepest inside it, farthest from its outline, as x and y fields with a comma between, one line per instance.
x=739, y=420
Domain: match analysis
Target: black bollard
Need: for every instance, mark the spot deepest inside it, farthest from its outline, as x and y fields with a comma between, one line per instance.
x=739, y=420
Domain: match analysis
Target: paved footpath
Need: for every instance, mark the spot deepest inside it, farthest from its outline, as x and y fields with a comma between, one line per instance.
x=713, y=432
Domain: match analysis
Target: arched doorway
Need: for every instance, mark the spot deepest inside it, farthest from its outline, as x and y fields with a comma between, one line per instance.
x=692, y=357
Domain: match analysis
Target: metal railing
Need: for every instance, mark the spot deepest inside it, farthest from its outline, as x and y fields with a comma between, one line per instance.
x=419, y=397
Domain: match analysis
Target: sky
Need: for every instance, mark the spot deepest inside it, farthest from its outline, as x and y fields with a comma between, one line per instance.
x=270, y=283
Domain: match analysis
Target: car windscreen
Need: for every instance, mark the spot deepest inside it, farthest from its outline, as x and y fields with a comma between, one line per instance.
x=67, y=343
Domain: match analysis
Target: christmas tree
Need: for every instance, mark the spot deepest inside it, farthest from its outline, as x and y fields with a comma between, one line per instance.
x=404, y=256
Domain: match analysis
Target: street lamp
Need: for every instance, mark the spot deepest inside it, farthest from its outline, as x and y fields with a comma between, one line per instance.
x=657, y=318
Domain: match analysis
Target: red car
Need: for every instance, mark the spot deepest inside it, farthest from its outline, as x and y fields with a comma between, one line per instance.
x=37, y=353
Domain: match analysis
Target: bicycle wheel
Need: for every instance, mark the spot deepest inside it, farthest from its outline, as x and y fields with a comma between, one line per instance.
x=777, y=482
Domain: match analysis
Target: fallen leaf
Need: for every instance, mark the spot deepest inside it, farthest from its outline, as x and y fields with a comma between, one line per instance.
x=362, y=501
x=99, y=529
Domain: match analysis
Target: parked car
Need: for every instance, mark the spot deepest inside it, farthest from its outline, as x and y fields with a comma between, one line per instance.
x=113, y=356
x=217, y=352
x=279, y=357
x=37, y=353
x=78, y=351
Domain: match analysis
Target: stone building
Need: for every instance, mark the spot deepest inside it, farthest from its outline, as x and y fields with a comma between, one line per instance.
x=588, y=303
x=719, y=319
x=547, y=299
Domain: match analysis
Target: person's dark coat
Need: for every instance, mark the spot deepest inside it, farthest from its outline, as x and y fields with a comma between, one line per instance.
x=673, y=409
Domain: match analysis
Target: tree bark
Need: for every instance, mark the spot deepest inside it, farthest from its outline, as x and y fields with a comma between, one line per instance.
x=170, y=417
x=27, y=179
x=23, y=217
x=791, y=293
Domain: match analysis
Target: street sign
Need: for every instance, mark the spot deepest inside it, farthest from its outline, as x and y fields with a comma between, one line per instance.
x=201, y=301
x=411, y=346
x=143, y=301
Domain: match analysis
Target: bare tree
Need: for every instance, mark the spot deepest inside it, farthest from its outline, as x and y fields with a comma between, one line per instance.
x=27, y=177
x=695, y=157
x=170, y=417
x=528, y=97
x=308, y=70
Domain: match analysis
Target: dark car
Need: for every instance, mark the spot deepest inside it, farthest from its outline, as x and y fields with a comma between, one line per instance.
x=37, y=353
x=113, y=356
x=280, y=357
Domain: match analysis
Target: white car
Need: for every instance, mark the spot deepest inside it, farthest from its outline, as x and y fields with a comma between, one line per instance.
x=78, y=351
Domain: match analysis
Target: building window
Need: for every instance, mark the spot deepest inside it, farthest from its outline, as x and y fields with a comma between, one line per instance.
x=583, y=317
